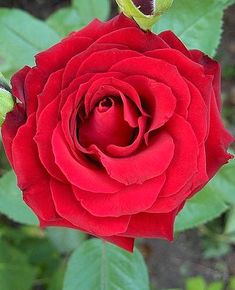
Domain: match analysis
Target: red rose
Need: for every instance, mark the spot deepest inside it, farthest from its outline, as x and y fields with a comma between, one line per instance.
x=115, y=128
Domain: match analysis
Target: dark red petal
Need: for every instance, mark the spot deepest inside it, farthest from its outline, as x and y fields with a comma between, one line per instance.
x=144, y=165
x=17, y=82
x=95, y=62
x=152, y=225
x=118, y=151
x=46, y=124
x=211, y=68
x=34, y=84
x=72, y=66
x=135, y=39
x=198, y=114
x=160, y=71
x=97, y=84
x=105, y=125
x=184, y=163
x=131, y=200
x=50, y=91
x=217, y=142
x=12, y=123
x=169, y=203
x=32, y=179
x=88, y=178
x=174, y=42
x=58, y=55
x=156, y=97
x=70, y=209
x=123, y=242
x=187, y=68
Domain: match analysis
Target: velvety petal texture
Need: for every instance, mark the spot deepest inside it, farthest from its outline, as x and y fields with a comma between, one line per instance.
x=114, y=129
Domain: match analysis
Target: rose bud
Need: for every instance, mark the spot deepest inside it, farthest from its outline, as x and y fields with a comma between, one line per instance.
x=144, y=12
x=114, y=129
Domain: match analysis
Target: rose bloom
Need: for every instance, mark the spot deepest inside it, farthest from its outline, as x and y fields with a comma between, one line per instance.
x=114, y=129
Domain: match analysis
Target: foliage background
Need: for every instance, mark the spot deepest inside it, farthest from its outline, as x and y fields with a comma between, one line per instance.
x=31, y=258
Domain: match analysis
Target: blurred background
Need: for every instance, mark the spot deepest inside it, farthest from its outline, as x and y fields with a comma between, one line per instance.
x=199, y=259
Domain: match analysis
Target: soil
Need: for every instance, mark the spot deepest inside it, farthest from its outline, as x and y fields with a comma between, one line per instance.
x=170, y=263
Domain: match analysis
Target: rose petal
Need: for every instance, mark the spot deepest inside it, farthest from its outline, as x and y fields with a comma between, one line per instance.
x=70, y=209
x=95, y=61
x=158, y=70
x=131, y=200
x=43, y=138
x=32, y=179
x=17, y=82
x=34, y=84
x=174, y=42
x=60, y=53
x=152, y=225
x=184, y=163
x=118, y=151
x=211, y=68
x=146, y=164
x=50, y=91
x=134, y=38
x=123, y=242
x=217, y=142
x=87, y=178
x=156, y=97
x=13, y=121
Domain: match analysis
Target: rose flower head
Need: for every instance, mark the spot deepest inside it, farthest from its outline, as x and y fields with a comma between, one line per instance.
x=114, y=129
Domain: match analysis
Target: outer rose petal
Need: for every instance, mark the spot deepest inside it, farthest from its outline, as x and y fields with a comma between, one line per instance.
x=35, y=186
x=152, y=225
x=184, y=163
x=13, y=121
x=70, y=209
x=131, y=200
x=212, y=68
x=217, y=142
x=174, y=42
x=123, y=242
x=43, y=138
x=17, y=82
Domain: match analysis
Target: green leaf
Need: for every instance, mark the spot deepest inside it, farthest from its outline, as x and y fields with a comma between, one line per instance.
x=65, y=20
x=102, y=266
x=15, y=271
x=6, y=104
x=21, y=37
x=230, y=223
x=203, y=207
x=11, y=202
x=231, y=285
x=224, y=183
x=196, y=283
x=56, y=282
x=197, y=23
x=88, y=10
x=65, y=240
x=216, y=286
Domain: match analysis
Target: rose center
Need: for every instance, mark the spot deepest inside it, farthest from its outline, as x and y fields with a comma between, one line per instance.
x=105, y=125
